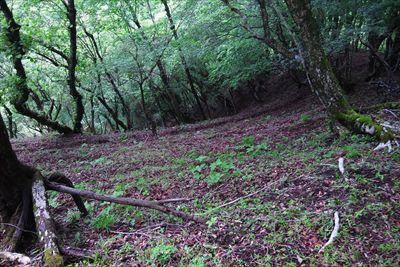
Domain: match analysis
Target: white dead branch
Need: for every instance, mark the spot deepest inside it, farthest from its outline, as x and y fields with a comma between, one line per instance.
x=333, y=234
x=341, y=165
x=388, y=145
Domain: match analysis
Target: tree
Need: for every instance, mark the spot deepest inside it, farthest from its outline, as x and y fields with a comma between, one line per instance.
x=322, y=80
x=17, y=52
x=183, y=59
x=311, y=55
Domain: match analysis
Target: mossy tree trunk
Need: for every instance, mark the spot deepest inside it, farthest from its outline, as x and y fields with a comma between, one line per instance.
x=322, y=79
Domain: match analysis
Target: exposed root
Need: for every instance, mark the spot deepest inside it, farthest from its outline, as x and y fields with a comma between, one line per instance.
x=363, y=124
x=23, y=219
x=378, y=107
x=15, y=258
x=333, y=234
x=44, y=224
x=341, y=165
x=70, y=252
x=62, y=179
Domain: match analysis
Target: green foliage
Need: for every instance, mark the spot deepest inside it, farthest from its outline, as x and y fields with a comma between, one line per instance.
x=217, y=169
x=161, y=254
x=352, y=151
x=102, y=161
x=304, y=118
x=105, y=219
x=248, y=143
x=143, y=185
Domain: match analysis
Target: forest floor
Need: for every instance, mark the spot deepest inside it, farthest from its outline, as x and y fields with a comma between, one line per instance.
x=266, y=180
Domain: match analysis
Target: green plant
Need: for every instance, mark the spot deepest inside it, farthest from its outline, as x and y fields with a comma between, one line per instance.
x=198, y=262
x=102, y=161
x=161, y=254
x=53, y=199
x=248, y=143
x=143, y=186
x=214, y=178
x=304, y=118
x=73, y=215
x=105, y=219
x=352, y=151
x=212, y=221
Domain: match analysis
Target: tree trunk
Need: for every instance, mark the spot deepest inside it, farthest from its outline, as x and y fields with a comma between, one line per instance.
x=72, y=62
x=183, y=59
x=322, y=79
x=15, y=182
x=10, y=122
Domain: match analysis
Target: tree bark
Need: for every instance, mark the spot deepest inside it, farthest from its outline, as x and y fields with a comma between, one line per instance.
x=10, y=122
x=15, y=181
x=72, y=62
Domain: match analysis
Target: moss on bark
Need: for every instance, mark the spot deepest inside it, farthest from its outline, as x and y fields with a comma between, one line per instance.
x=53, y=260
x=363, y=124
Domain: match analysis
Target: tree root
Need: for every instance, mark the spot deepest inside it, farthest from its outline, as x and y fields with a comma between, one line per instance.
x=15, y=257
x=44, y=224
x=23, y=219
x=363, y=124
x=379, y=107
x=334, y=233
x=33, y=209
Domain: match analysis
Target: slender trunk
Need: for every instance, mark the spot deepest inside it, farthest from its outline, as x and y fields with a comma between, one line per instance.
x=10, y=122
x=149, y=120
x=92, y=118
x=173, y=101
x=110, y=78
x=183, y=59
x=72, y=62
x=168, y=91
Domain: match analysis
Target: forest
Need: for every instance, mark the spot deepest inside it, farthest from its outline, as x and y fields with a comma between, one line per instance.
x=199, y=133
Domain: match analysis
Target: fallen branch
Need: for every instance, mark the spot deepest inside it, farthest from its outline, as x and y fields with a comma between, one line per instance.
x=15, y=257
x=156, y=205
x=388, y=145
x=173, y=200
x=333, y=234
x=151, y=227
x=238, y=199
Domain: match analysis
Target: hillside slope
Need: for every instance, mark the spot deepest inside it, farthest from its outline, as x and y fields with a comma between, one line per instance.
x=266, y=180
